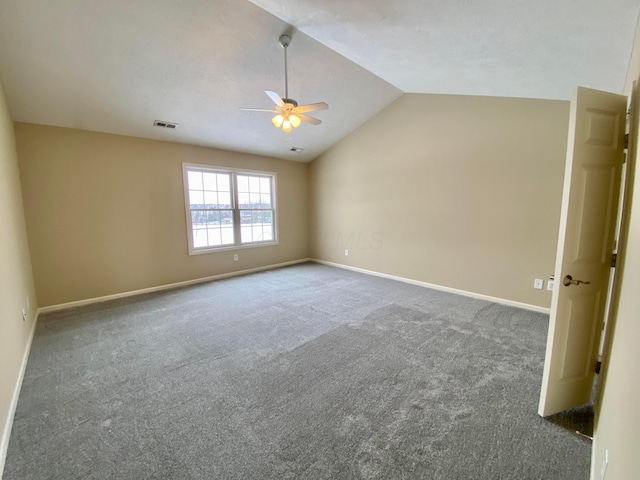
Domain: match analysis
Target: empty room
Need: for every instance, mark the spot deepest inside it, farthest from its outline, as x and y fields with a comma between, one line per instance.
x=319, y=240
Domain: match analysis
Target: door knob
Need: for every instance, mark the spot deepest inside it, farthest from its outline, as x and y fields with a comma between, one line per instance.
x=568, y=280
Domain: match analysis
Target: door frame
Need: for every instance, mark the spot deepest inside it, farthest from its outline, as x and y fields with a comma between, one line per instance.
x=625, y=217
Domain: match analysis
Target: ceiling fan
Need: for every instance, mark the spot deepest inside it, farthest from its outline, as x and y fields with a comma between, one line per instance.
x=288, y=113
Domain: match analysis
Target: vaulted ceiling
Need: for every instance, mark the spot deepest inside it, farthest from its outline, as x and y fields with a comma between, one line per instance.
x=116, y=66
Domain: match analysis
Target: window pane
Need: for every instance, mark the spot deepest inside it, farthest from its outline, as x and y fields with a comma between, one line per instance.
x=196, y=199
x=245, y=234
x=254, y=200
x=265, y=185
x=224, y=182
x=243, y=200
x=199, y=238
x=266, y=217
x=243, y=183
x=214, y=237
x=245, y=230
x=227, y=234
x=213, y=218
x=226, y=217
x=256, y=226
x=245, y=217
x=257, y=233
x=194, y=179
x=198, y=219
x=265, y=201
x=254, y=184
x=211, y=199
x=209, y=181
x=224, y=200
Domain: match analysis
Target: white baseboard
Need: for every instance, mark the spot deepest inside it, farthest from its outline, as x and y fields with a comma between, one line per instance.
x=4, y=441
x=465, y=293
x=89, y=301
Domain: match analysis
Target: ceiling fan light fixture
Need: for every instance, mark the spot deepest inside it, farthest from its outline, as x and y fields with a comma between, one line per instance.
x=295, y=120
x=277, y=120
x=286, y=126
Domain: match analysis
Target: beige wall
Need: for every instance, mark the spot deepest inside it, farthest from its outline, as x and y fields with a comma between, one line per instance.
x=16, y=282
x=617, y=426
x=458, y=191
x=105, y=213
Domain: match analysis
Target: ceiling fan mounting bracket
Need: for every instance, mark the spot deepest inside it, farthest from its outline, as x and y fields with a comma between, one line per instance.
x=284, y=40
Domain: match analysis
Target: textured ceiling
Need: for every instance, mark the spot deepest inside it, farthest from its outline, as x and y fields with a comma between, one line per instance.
x=116, y=66
x=512, y=48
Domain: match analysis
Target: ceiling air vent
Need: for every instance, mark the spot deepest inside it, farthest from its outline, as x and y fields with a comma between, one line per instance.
x=163, y=124
x=297, y=149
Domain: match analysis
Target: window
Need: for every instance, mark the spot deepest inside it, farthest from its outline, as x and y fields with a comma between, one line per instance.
x=228, y=208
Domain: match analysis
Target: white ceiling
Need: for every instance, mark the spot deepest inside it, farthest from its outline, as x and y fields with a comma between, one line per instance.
x=115, y=66
x=510, y=48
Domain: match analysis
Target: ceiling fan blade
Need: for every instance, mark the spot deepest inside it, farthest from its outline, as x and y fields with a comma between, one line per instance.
x=311, y=107
x=258, y=110
x=308, y=119
x=275, y=97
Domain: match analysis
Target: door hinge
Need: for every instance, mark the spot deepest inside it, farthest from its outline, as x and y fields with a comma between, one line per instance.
x=614, y=259
x=598, y=366
x=626, y=141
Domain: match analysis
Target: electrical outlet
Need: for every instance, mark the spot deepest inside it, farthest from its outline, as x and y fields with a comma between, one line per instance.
x=235, y=257
x=550, y=285
x=538, y=283
x=346, y=253
x=24, y=315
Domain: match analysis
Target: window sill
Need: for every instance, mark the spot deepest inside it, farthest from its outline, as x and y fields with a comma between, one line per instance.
x=203, y=251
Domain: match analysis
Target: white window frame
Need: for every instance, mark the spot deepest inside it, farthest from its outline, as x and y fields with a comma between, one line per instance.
x=234, y=207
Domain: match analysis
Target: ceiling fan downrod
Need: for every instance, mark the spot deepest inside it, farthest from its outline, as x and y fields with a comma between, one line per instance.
x=284, y=43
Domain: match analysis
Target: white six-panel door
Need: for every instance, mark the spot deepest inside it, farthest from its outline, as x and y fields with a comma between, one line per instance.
x=585, y=243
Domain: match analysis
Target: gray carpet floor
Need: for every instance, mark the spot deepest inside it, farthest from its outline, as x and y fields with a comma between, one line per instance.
x=305, y=372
